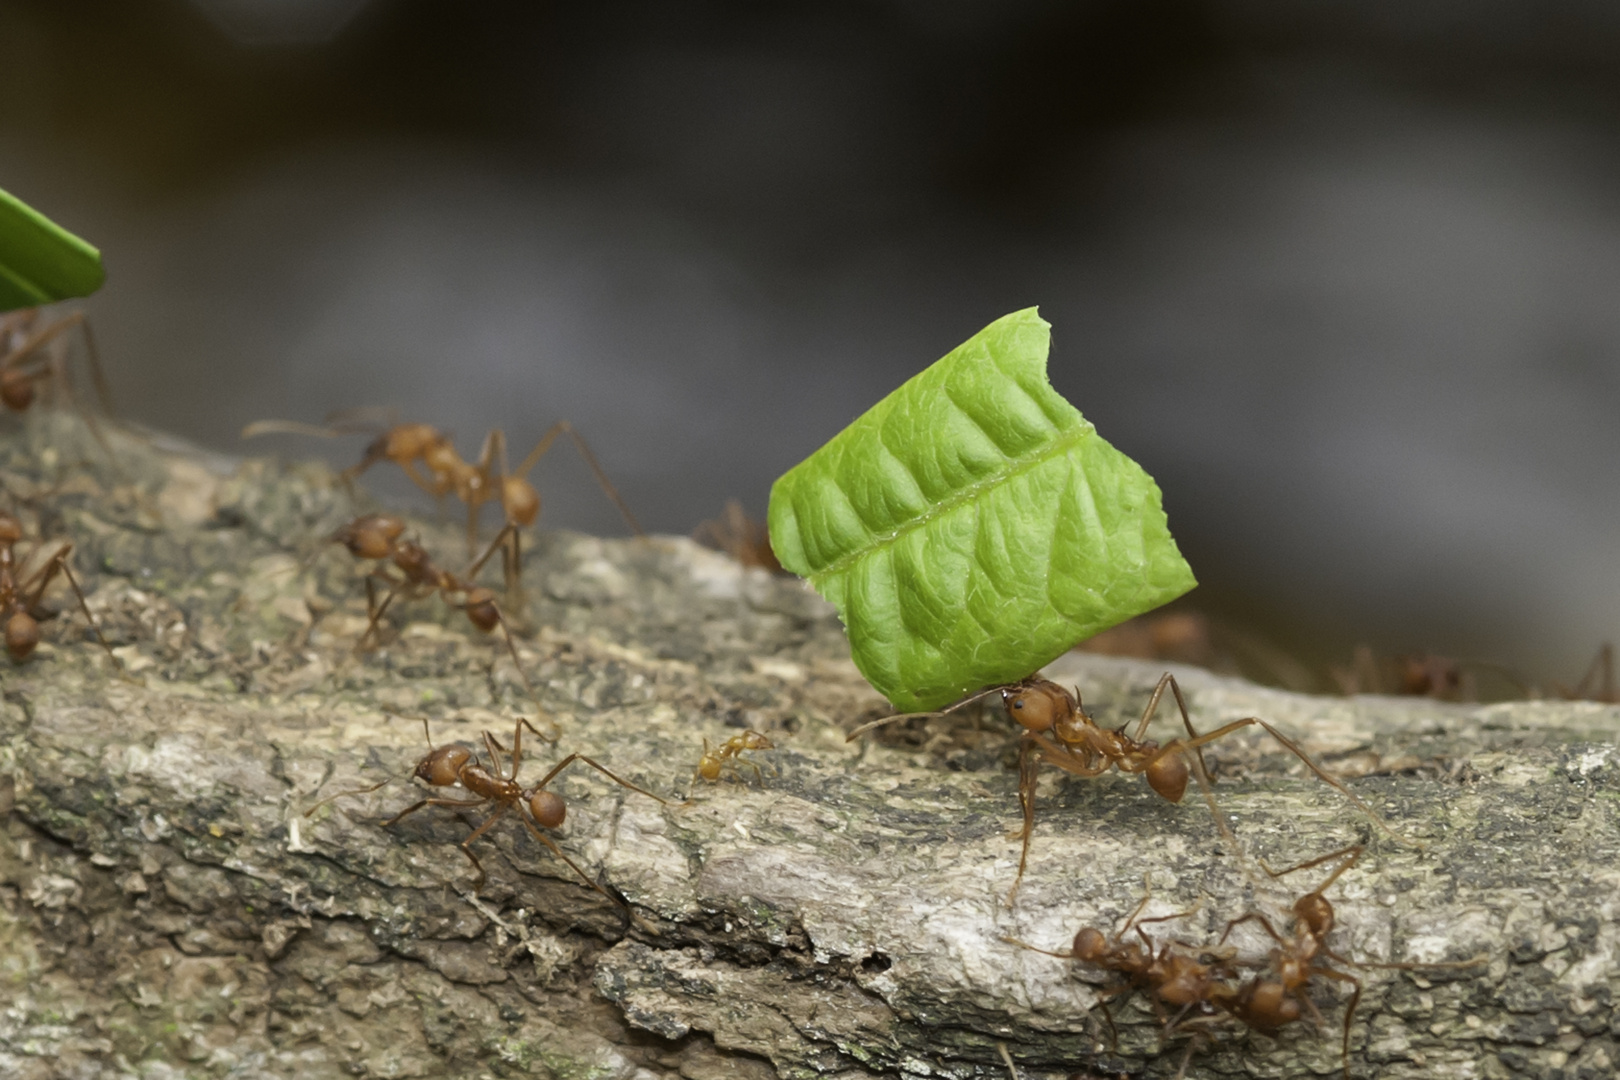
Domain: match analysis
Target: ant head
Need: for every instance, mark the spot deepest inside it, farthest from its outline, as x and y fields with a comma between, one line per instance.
x=442, y=767
x=1168, y=776
x=548, y=809
x=22, y=634
x=370, y=537
x=1314, y=910
x=406, y=442
x=1037, y=705
x=521, y=501
x=753, y=740
x=10, y=529
x=481, y=609
x=16, y=389
x=1090, y=945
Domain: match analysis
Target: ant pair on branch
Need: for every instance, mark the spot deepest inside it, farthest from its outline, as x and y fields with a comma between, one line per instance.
x=22, y=590
x=1210, y=981
x=1058, y=731
x=381, y=538
x=429, y=459
x=454, y=765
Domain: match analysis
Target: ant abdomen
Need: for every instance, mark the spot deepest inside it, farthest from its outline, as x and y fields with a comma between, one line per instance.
x=548, y=809
x=1168, y=776
x=22, y=635
x=481, y=610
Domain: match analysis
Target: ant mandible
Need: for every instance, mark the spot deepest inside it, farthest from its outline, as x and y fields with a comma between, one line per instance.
x=1059, y=731
x=381, y=537
x=454, y=764
x=728, y=755
x=20, y=596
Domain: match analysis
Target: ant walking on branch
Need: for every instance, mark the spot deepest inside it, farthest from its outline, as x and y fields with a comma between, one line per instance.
x=29, y=361
x=454, y=765
x=429, y=458
x=1266, y=1003
x=1171, y=974
x=725, y=758
x=22, y=588
x=380, y=537
x=1058, y=731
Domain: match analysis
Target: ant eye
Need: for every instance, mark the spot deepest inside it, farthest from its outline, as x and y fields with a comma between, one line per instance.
x=1018, y=703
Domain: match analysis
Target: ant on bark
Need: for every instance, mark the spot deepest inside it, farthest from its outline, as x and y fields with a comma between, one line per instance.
x=1059, y=731
x=454, y=764
x=1170, y=974
x=447, y=473
x=26, y=362
x=1267, y=1003
x=728, y=755
x=23, y=587
x=381, y=537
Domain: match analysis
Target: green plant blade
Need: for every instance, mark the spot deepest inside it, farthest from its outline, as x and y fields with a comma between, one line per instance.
x=972, y=526
x=39, y=260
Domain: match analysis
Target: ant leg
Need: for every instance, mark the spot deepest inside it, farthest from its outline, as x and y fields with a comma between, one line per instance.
x=1029, y=764
x=59, y=562
x=557, y=851
x=1006, y=1058
x=511, y=647
x=375, y=610
x=414, y=807
x=621, y=781
x=563, y=427
x=494, y=545
x=351, y=791
x=1350, y=1010
x=466, y=845
x=1253, y=916
x=1353, y=853
x=1321, y=773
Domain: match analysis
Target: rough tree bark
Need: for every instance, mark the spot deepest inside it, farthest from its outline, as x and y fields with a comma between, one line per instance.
x=167, y=911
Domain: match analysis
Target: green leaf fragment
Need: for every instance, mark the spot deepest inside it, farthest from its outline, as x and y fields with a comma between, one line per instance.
x=40, y=261
x=972, y=526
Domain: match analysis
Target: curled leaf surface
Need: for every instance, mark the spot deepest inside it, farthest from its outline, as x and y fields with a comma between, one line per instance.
x=972, y=526
x=39, y=260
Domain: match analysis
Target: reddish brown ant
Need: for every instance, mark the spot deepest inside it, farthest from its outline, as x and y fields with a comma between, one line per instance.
x=1267, y=1003
x=21, y=592
x=728, y=755
x=27, y=362
x=740, y=536
x=454, y=764
x=1170, y=974
x=381, y=537
x=443, y=471
x=1058, y=731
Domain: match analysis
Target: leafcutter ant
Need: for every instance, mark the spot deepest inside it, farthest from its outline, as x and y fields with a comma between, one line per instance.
x=1058, y=731
x=1171, y=974
x=28, y=361
x=22, y=587
x=1267, y=1003
x=429, y=458
x=453, y=765
x=726, y=757
x=740, y=536
x=381, y=537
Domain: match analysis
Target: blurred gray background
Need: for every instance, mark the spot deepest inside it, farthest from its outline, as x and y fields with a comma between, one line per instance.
x=1342, y=276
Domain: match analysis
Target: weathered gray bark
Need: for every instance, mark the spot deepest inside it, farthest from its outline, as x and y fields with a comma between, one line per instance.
x=167, y=911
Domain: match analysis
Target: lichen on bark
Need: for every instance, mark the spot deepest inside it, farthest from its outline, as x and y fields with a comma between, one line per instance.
x=167, y=910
